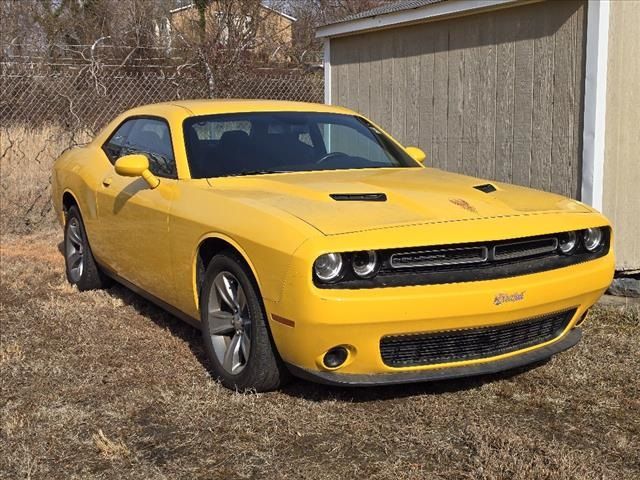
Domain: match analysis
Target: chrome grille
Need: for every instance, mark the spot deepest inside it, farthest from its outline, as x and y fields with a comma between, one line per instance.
x=439, y=257
x=479, y=255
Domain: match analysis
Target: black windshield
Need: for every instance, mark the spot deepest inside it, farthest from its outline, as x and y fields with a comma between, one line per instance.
x=272, y=142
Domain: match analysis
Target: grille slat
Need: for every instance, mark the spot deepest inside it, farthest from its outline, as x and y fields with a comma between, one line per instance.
x=439, y=257
x=470, y=344
x=524, y=249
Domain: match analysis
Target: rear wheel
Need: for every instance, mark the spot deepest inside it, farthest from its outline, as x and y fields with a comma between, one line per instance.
x=234, y=328
x=82, y=270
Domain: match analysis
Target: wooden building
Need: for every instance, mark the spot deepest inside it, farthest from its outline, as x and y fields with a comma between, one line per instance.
x=542, y=93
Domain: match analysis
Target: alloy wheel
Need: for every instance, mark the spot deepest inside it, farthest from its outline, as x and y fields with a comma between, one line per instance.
x=229, y=322
x=74, y=250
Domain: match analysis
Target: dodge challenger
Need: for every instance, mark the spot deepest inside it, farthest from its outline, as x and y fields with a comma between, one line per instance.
x=302, y=239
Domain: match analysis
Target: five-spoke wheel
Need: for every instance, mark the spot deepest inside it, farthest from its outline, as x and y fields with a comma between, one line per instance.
x=230, y=322
x=234, y=327
x=82, y=269
x=74, y=250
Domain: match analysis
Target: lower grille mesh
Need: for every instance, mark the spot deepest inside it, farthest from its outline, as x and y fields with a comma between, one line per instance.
x=470, y=344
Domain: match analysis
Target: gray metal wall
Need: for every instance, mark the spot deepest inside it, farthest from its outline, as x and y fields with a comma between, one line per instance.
x=497, y=95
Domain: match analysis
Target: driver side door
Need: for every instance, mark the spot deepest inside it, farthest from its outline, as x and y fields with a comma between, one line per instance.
x=134, y=218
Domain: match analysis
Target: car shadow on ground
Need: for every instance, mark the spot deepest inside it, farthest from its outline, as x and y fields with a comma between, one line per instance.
x=318, y=392
x=302, y=388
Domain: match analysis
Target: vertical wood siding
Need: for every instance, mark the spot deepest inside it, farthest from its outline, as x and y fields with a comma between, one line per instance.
x=621, y=200
x=497, y=95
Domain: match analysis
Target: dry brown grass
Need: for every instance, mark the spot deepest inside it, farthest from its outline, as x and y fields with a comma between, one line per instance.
x=105, y=385
x=26, y=157
x=108, y=448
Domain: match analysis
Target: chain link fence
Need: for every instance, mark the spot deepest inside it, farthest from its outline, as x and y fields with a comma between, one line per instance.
x=48, y=106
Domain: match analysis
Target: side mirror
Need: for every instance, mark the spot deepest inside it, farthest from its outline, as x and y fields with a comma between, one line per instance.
x=136, y=165
x=417, y=154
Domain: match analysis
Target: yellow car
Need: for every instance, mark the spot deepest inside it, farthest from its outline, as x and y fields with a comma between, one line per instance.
x=302, y=238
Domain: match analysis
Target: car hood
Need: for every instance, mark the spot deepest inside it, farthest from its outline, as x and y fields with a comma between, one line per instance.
x=413, y=196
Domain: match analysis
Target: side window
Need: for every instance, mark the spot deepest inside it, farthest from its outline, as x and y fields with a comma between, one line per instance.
x=151, y=137
x=113, y=147
x=148, y=136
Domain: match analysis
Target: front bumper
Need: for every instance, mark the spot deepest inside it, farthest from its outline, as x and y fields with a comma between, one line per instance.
x=308, y=321
x=364, y=380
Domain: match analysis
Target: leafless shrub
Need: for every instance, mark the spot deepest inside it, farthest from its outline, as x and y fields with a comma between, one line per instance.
x=27, y=157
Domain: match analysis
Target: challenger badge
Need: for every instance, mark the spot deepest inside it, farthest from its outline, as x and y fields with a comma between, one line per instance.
x=501, y=298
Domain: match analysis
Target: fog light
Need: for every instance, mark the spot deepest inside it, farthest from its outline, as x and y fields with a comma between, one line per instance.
x=335, y=357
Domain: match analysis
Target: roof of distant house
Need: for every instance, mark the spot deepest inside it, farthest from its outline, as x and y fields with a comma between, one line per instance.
x=282, y=14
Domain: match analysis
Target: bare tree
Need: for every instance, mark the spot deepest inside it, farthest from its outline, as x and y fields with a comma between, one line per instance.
x=70, y=23
x=225, y=36
x=312, y=13
x=229, y=36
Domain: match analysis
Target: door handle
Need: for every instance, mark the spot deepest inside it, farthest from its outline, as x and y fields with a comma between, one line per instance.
x=107, y=181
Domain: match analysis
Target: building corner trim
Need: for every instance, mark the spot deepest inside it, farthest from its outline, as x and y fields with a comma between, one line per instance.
x=595, y=103
x=327, y=71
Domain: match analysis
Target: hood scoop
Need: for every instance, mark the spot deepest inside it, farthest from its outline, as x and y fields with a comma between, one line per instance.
x=359, y=197
x=485, y=187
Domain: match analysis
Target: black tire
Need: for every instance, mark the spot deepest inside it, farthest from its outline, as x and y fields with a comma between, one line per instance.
x=89, y=276
x=263, y=370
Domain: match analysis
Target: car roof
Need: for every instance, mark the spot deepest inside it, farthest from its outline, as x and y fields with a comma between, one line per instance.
x=188, y=108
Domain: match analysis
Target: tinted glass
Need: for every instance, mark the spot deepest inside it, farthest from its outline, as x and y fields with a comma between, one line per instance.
x=268, y=142
x=113, y=147
x=148, y=136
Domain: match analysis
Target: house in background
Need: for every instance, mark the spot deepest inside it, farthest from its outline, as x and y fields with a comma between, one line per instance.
x=273, y=37
x=542, y=93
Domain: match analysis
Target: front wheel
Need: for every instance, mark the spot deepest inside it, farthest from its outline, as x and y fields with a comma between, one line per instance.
x=82, y=270
x=234, y=328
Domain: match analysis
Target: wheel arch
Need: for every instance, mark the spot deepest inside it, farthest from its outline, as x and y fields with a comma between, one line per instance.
x=69, y=200
x=210, y=245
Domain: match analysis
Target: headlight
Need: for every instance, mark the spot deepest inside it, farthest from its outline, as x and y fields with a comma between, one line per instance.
x=364, y=263
x=328, y=267
x=592, y=238
x=568, y=241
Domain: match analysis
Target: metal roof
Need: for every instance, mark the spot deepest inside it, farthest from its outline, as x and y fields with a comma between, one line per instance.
x=387, y=8
x=409, y=11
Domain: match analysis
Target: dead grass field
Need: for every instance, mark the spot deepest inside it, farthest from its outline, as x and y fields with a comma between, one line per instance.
x=105, y=385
